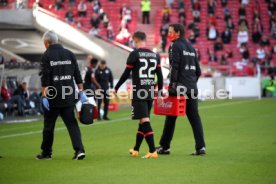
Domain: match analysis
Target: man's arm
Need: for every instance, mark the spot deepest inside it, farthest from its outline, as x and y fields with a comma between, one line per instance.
x=77, y=75
x=45, y=73
x=198, y=70
x=111, y=79
x=123, y=78
x=174, y=64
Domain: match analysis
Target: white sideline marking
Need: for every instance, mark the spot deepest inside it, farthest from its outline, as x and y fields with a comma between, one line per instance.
x=120, y=120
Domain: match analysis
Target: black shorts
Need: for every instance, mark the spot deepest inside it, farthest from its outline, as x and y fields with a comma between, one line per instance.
x=141, y=108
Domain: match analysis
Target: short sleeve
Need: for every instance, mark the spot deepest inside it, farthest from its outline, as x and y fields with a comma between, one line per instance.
x=131, y=60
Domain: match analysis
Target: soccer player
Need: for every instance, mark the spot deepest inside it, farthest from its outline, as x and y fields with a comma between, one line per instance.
x=144, y=64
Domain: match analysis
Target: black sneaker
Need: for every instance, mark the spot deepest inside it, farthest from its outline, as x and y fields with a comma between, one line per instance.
x=106, y=118
x=42, y=156
x=99, y=119
x=160, y=150
x=199, y=152
x=79, y=155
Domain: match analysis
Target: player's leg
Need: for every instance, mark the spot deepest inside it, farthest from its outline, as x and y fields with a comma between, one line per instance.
x=106, y=103
x=99, y=107
x=50, y=118
x=147, y=129
x=68, y=116
x=195, y=121
x=166, y=138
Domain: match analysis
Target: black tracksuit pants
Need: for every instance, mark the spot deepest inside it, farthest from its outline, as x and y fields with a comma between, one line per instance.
x=68, y=116
x=105, y=100
x=195, y=121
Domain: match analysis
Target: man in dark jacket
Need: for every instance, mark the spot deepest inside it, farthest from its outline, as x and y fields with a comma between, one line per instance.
x=104, y=76
x=59, y=70
x=184, y=74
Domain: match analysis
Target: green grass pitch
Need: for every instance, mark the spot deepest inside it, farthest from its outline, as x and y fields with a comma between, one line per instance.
x=240, y=137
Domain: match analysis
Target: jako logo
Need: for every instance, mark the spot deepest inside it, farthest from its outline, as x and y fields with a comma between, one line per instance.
x=65, y=77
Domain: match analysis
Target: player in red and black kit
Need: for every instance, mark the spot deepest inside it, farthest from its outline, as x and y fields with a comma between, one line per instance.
x=144, y=64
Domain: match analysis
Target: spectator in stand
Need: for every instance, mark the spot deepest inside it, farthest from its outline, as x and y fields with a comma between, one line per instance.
x=164, y=34
x=20, y=4
x=224, y=3
x=261, y=54
x=58, y=4
x=145, y=8
x=72, y=2
x=218, y=45
x=196, y=10
x=223, y=60
x=194, y=27
x=265, y=41
x=125, y=13
x=257, y=31
x=243, y=24
x=227, y=13
x=242, y=36
x=96, y=6
x=230, y=25
x=3, y=2
x=93, y=32
x=69, y=16
x=226, y=36
x=245, y=52
x=123, y=37
x=181, y=4
x=2, y=59
x=212, y=56
x=82, y=8
x=212, y=33
x=182, y=16
x=271, y=7
x=212, y=20
x=169, y=3
x=166, y=14
x=105, y=21
x=242, y=12
x=79, y=23
x=192, y=37
x=244, y=2
x=273, y=29
x=109, y=32
x=95, y=21
x=211, y=6
x=273, y=49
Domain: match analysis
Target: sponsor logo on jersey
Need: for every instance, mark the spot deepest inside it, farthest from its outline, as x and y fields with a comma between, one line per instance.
x=60, y=78
x=145, y=82
x=56, y=63
x=186, y=53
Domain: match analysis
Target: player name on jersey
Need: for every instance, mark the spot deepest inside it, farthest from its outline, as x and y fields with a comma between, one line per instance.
x=147, y=54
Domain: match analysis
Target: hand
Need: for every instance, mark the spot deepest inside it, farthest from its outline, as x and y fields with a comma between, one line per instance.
x=83, y=97
x=160, y=100
x=172, y=89
x=114, y=91
x=45, y=103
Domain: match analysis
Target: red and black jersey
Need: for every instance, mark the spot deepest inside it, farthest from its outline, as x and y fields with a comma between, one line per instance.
x=144, y=64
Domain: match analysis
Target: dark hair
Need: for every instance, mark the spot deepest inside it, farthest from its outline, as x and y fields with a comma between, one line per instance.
x=93, y=61
x=103, y=62
x=178, y=28
x=140, y=35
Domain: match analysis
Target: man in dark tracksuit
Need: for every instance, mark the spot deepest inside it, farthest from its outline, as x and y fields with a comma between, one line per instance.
x=90, y=82
x=105, y=78
x=59, y=70
x=184, y=73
